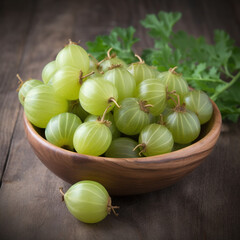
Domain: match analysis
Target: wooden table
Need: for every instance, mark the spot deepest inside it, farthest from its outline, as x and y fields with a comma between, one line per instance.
x=204, y=205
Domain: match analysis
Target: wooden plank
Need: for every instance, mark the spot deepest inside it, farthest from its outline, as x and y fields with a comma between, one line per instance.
x=11, y=47
x=204, y=205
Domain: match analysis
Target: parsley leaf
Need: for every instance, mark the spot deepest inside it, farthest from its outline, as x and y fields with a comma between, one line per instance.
x=161, y=25
x=120, y=39
x=211, y=67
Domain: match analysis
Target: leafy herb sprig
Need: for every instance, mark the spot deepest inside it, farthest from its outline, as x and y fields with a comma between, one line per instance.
x=213, y=68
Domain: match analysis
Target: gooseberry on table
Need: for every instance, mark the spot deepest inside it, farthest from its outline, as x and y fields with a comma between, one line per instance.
x=88, y=201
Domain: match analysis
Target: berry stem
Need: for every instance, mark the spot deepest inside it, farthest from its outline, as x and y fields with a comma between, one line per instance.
x=104, y=113
x=62, y=193
x=144, y=106
x=172, y=70
x=81, y=77
x=87, y=75
x=111, y=208
x=20, y=82
x=143, y=145
x=112, y=99
x=108, y=53
x=114, y=66
x=148, y=105
x=178, y=99
x=99, y=63
x=139, y=58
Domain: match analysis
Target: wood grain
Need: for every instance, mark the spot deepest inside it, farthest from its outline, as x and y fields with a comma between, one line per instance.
x=203, y=205
x=11, y=47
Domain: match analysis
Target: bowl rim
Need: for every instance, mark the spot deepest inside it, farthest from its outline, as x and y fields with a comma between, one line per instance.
x=166, y=157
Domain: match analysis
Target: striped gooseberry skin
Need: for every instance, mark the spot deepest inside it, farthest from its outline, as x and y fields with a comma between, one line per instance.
x=157, y=139
x=154, y=92
x=105, y=65
x=141, y=71
x=42, y=103
x=108, y=117
x=66, y=82
x=75, y=56
x=49, y=71
x=95, y=95
x=88, y=201
x=198, y=101
x=122, y=148
x=184, y=125
x=60, y=130
x=130, y=119
x=174, y=82
x=26, y=87
x=122, y=80
x=92, y=138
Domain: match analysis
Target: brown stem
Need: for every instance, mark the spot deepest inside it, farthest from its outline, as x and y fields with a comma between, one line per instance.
x=108, y=53
x=111, y=208
x=104, y=113
x=139, y=58
x=89, y=74
x=20, y=82
x=81, y=77
x=175, y=102
x=148, y=105
x=112, y=99
x=99, y=63
x=179, y=107
x=171, y=92
x=144, y=106
x=178, y=99
x=114, y=66
x=143, y=145
x=168, y=95
x=172, y=70
x=62, y=193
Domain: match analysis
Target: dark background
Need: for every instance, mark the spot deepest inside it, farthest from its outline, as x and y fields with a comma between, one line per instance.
x=204, y=205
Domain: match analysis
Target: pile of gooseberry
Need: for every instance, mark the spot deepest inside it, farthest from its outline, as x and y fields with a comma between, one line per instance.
x=112, y=109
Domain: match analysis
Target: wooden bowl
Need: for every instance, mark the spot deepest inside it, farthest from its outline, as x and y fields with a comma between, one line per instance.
x=126, y=176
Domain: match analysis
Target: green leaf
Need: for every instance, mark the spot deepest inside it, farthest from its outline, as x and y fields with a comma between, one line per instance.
x=120, y=39
x=223, y=46
x=203, y=65
x=98, y=48
x=236, y=58
x=161, y=25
